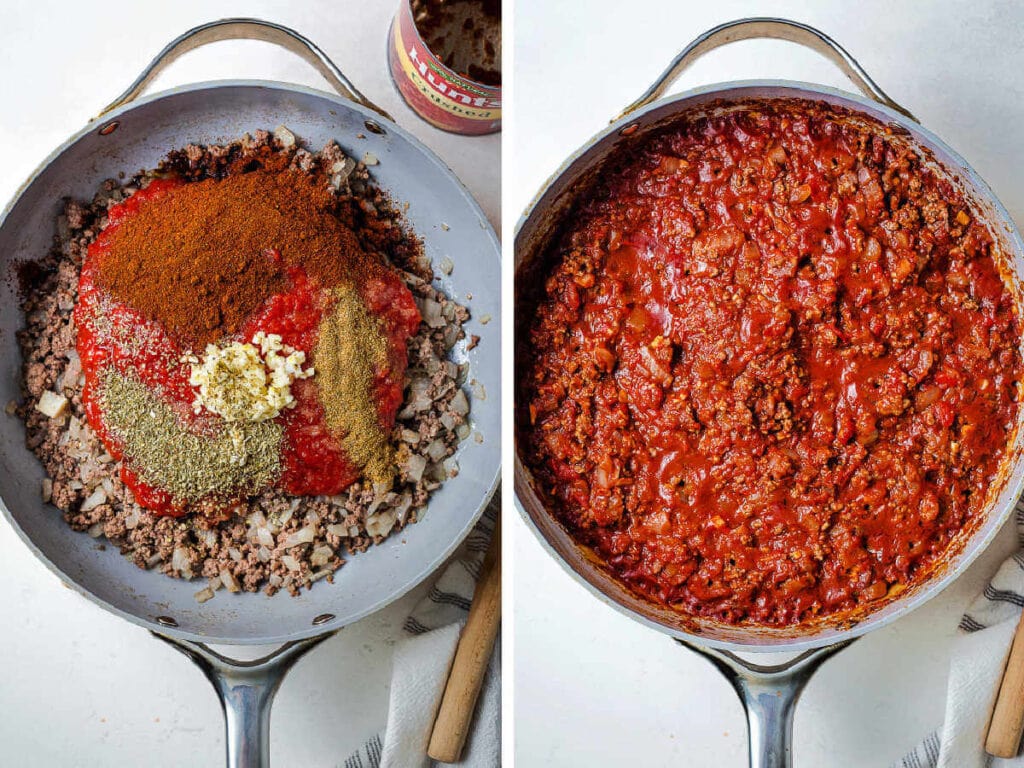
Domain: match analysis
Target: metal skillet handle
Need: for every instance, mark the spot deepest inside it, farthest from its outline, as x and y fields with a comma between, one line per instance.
x=769, y=694
x=246, y=690
x=777, y=29
x=246, y=29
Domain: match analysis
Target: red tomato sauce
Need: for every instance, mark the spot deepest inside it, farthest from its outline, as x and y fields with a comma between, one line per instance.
x=113, y=335
x=773, y=369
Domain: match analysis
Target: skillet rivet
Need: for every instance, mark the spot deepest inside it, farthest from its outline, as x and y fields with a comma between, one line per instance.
x=323, y=618
x=374, y=127
x=109, y=128
x=167, y=621
x=629, y=130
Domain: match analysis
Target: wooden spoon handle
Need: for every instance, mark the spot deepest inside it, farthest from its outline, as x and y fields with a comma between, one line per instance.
x=1007, y=724
x=467, y=674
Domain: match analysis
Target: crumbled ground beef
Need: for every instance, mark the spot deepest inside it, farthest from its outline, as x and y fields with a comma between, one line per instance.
x=264, y=546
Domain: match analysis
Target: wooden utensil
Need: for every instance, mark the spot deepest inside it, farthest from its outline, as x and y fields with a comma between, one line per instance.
x=467, y=673
x=1007, y=724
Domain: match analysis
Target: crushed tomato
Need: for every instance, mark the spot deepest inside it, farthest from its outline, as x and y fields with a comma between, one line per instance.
x=313, y=460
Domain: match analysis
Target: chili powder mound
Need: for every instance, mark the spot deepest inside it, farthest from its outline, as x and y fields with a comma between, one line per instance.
x=210, y=253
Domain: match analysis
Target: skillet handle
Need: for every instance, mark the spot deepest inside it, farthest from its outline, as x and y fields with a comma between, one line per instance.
x=246, y=690
x=777, y=29
x=246, y=29
x=769, y=694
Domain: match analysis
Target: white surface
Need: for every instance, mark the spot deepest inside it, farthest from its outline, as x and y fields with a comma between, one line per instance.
x=593, y=688
x=81, y=687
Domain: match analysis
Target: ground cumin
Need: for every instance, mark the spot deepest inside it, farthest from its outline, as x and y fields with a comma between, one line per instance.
x=350, y=349
x=200, y=259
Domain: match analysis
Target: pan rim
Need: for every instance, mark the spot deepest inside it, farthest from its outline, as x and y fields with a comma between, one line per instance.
x=998, y=514
x=491, y=483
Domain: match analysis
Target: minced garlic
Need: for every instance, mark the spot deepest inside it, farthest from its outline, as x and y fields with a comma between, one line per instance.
x=247, y=381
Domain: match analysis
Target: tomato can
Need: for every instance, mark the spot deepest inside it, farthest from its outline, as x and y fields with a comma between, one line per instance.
x=443, y=97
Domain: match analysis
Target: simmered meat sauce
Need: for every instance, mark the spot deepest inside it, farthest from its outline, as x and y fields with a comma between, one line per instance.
x=773, y=370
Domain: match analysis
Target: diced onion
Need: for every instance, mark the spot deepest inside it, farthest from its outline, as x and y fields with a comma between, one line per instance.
x=95, y=499
x=52, y=404
x=286, y=137
x=264, y=537
x=304, y=535
x=321, y=556
x=381, y=525
x=451, y=335
x=181, y=563
x=436, y=450
x=419, y=394
x=432, y=313
x=451, y=467
x=436, y=472
x=460, y=403
x=413, y=467
x=208, y=536
x=228, y=578
x=131, y=520
x=402, y=508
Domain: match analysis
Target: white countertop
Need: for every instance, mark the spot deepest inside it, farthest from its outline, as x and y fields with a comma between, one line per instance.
x=80, y=686
x=592, y=687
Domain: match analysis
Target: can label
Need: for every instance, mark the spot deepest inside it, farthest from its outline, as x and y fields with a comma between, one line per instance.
x=441, y=96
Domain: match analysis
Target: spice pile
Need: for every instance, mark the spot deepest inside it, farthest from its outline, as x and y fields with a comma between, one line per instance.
x=216, y=359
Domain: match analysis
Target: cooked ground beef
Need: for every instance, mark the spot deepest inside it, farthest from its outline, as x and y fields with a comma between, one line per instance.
x=276, y=541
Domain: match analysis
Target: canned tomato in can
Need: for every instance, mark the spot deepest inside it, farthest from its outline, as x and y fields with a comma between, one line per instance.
x=449, y=88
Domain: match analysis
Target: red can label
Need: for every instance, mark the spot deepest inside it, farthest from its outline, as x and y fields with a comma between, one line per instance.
x=438, y=94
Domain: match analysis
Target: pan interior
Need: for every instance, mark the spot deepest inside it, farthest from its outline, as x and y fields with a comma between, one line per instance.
x=534, y=236
x=223, y=112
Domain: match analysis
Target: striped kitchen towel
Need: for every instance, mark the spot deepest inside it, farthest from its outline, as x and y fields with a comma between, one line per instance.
x=421, y=663
x=975, y=671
